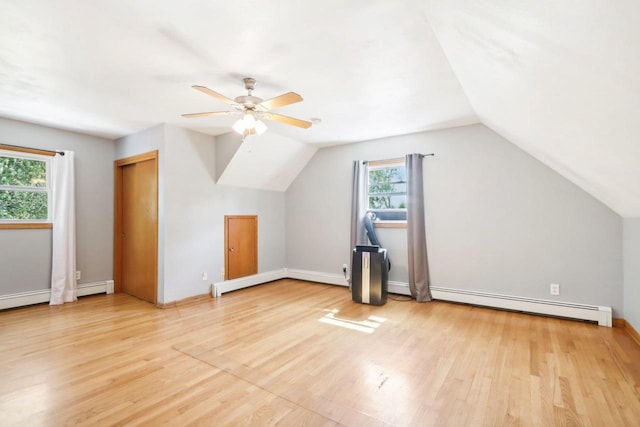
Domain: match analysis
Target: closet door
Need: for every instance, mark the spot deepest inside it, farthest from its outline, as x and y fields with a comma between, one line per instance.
x=241, y=242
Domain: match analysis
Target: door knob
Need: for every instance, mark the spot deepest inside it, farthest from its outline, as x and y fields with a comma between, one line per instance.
x=231, y=249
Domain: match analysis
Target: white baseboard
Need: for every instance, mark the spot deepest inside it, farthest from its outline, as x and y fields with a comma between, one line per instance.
x=286, y=273
x=337, y=279
x=314, y=276
x=400, y=288
x=105, y=287
x=37, y=297
x=218, y=288
x=600, y=314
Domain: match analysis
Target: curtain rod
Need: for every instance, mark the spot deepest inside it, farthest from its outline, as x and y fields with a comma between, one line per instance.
x=397, y=159
x=30, y=150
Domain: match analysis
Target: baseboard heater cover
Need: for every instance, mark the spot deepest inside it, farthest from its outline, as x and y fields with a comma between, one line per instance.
x=22, y=299
x=594, y=313
x=313, y=276
x=219, y=288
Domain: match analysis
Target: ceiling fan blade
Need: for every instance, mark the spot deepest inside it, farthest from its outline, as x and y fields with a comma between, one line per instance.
x=281, y=101
x=215, y=94
x=208, y=114
x=287, y=120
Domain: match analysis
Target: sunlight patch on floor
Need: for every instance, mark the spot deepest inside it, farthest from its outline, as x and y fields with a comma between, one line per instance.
x=367, y=326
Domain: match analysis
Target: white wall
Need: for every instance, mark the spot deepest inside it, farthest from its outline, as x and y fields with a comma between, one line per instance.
x=26, y=254
x=632, y=272
x=25, y=264
x=192, y=209
x=189, y=198
x=226, y=147
x=497, y=219
x=195, y=209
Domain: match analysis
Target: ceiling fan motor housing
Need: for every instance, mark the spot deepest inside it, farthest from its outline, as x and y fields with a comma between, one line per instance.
x=249, y=101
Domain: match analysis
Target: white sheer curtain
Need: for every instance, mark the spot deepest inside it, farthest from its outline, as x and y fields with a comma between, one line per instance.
x=63, y=251
x=358, y=209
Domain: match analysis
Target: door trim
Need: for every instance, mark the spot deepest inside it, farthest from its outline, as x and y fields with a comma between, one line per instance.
x=226, y=240
x=117, y=215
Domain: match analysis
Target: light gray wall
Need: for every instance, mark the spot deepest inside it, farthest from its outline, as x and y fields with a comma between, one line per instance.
x=632, y=272
x=194, y=216
x=25, y=264
x=226, y=146
x=497, y=219
x=191, y=211
x=145, y=141
x=26, y=254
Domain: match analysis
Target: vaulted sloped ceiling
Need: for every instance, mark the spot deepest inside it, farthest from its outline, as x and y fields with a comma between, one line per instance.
x=559, y=79
x=247, y=165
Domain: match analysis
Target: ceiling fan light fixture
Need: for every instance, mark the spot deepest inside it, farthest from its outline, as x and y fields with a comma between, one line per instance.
x=238, y=126
x=260, y=127
x=249, y=125
x=249, y=121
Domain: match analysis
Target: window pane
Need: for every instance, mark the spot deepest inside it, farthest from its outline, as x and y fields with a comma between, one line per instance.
x=23, y=172
x=396, y=173
x=388, y=202
x=388, y=188
x=23, y=204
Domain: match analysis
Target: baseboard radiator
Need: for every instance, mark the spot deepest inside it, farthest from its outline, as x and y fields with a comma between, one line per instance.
x=593, y=313
x=37, y=297
x=218, y=288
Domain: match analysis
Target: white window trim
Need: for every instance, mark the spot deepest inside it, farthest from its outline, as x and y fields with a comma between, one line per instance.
x=47, y=189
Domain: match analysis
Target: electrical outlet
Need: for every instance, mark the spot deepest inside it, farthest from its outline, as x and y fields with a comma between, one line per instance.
x=204, y=276
x=78, y=274
x=554, y=289
x=344, y=268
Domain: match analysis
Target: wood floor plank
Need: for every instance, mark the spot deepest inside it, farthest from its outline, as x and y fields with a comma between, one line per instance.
x=297, y=353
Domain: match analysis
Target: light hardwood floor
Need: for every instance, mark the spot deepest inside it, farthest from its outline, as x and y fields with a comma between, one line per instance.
x=296, y=353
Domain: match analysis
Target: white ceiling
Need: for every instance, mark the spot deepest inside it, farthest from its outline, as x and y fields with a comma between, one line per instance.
x=366, y=69
x=559, y=79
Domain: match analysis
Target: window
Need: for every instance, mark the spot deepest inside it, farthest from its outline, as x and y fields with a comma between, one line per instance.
x=24, y=188
x=387, y=190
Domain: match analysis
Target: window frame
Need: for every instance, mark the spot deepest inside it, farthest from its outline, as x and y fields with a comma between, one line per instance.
x=29, y=154
x=386, y=164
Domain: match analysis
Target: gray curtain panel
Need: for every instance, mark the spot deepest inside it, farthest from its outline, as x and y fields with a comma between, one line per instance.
x=416, y=237
x=358, y=209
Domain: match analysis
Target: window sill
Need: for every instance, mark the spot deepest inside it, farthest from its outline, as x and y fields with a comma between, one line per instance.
x=25, y=225
x=390, y=224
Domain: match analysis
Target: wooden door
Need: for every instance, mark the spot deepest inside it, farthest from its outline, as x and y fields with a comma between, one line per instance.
x=136, y=242
x=241, y=243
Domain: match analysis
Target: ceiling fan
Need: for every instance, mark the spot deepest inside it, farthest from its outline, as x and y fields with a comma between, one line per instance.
x=253, y=109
